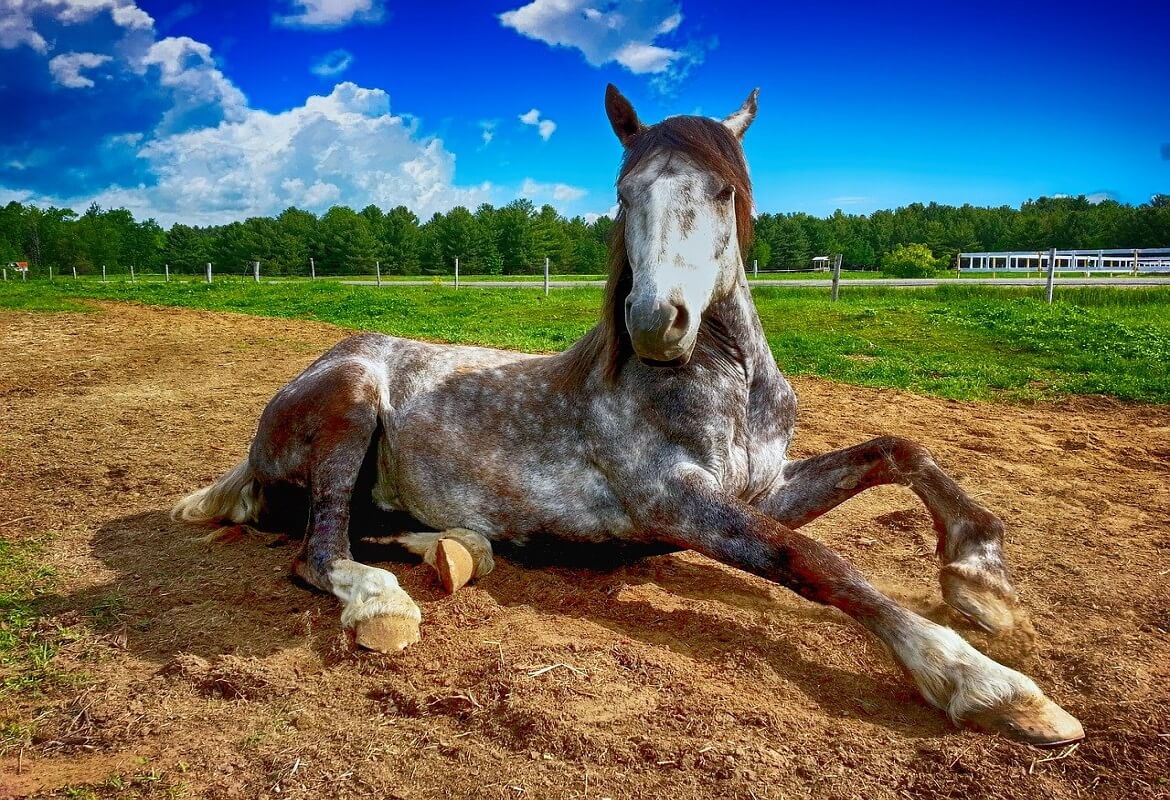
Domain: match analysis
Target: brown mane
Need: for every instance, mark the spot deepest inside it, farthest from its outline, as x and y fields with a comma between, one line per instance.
x=709, y=144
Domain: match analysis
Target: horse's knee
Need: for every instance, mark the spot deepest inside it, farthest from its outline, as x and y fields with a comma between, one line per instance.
x=906, y=456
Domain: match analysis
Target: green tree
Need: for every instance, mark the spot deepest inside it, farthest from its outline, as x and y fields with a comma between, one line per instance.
x=346, y=243
x=399, y=240
x=909, y=261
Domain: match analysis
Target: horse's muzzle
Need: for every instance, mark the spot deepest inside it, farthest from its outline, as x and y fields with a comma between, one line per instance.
x=658, y=331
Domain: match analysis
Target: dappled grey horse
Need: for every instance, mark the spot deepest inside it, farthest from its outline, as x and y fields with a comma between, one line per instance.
x=666, y=427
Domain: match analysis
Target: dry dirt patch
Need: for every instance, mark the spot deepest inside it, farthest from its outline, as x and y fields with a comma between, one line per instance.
x=203, y=672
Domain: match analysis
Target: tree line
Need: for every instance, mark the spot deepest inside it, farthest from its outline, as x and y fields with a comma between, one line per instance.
x=517, y=237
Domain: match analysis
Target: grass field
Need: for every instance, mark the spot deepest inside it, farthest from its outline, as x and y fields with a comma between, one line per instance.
x=960, y=342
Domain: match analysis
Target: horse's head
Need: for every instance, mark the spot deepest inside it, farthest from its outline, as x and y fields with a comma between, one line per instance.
x=685, y=214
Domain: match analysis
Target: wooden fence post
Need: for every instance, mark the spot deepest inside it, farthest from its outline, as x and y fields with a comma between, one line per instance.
x=456, y=272
x=50, y=268
x=167, y=272
x=209, y=272
x=103, y=273
x=836, y=276
x=378, y=272
x=132, y=276
x=74, y=272
x=546, y=276
x=755, y=267
x=312, y=269
x=1135, y=263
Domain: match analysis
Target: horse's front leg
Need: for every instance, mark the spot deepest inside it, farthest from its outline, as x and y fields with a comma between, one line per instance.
x=970, y=537
x=383, y=615
x=950, y=673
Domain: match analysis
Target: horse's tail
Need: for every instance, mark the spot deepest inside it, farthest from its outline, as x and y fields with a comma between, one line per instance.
x=235, y=497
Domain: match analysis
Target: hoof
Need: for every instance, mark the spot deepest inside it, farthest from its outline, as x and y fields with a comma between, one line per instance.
x=985, y=607
x=454, y=565
x=1039, y=722
x=386, y=634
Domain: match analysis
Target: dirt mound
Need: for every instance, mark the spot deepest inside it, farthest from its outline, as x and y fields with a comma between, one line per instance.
x=194, y=667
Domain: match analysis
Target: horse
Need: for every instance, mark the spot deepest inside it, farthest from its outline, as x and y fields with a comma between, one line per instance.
x=665, y=428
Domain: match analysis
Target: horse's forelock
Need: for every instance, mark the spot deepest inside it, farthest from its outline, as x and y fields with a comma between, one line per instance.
x=710, y=146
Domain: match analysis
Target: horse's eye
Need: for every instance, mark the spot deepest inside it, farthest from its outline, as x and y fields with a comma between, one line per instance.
x=725, y=193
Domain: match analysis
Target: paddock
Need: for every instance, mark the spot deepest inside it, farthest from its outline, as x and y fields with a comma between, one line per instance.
x=194, y=668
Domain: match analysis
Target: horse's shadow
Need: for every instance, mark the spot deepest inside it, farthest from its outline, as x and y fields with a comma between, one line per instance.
x=172, y=592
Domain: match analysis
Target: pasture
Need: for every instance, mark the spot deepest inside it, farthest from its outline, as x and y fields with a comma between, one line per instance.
x=136, y=661
x=956, y=342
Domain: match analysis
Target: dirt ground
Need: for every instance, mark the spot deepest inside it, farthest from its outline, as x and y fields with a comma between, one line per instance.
x=196, y=669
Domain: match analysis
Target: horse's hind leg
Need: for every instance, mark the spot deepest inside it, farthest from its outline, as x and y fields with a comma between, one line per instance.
x=382, y=613
x=970, y=537
x=458, y=555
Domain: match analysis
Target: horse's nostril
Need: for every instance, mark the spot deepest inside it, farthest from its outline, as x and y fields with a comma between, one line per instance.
x=677, y=321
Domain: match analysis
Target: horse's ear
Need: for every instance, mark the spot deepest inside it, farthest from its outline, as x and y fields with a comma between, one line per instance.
x=739, y=122
x=622, y=116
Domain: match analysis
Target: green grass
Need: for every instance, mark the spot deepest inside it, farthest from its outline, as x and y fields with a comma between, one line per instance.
x=961, y=342
x=26, y=652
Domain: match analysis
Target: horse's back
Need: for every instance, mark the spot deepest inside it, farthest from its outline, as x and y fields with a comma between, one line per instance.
x=363, y=379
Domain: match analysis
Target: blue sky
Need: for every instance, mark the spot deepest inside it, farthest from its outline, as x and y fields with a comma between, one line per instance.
x=205, y=111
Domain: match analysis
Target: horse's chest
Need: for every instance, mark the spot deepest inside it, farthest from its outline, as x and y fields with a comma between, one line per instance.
x=704, y=423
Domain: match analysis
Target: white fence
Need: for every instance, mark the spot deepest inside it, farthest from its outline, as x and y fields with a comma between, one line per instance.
x=1150, y=259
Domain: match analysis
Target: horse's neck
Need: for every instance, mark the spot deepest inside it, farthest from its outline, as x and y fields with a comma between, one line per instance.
x=732, y=332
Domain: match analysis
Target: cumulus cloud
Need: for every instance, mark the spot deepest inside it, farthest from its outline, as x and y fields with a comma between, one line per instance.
x=332, y=63
x=66, y=68
x=545, y=127
x=331, y=14
x=175, y=139
x=625, y=32
x=558, y=192
x=201, y=93
x=345, y=148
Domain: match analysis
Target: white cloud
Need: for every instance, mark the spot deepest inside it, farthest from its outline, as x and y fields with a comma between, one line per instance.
x=196, y=83
x=621, y=31
x=16, y=18
x=558, y=192
x=66, y=68
x=213, y=158
x=593, y=216
x=331, y=14
x=332, y=63
x=345, y=148
x=1100, y=197
x=124, y=12
x=16, y=28
x=545, y=127
x=487, y=131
